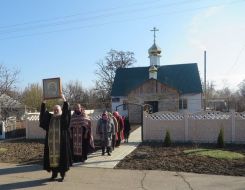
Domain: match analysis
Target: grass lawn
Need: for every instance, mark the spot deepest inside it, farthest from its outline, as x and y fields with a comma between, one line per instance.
x=215, y=153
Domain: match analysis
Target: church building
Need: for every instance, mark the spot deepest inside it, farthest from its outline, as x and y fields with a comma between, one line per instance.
x=164, y=87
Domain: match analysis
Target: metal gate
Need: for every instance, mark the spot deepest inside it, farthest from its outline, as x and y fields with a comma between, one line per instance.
x=132, y=109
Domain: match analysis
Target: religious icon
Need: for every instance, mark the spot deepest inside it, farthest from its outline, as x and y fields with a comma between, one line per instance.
x=51, y=88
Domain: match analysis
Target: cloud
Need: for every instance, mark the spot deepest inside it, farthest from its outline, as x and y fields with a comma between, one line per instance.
x=220, y=31
x=199, y=24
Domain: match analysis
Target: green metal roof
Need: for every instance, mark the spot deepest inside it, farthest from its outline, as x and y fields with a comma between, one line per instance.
x=183, y=77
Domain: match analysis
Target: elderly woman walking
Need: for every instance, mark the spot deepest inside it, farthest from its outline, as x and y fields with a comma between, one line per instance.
x=105, y=129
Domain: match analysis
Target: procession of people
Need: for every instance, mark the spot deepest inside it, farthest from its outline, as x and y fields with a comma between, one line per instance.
x=69, y=138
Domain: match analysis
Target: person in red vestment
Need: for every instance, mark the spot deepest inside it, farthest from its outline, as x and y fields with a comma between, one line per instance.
x=120, y=128
x=82, y=138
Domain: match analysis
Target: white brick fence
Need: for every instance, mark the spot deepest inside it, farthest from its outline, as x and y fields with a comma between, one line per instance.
x=198, y=127
x=183, y=127
x=33, y=131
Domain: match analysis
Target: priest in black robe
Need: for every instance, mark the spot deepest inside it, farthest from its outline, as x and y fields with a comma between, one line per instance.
x=57, y=153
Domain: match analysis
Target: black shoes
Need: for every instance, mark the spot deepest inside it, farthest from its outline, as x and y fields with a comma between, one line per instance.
x=62, y=177
x=108, y=151
x=54, y=175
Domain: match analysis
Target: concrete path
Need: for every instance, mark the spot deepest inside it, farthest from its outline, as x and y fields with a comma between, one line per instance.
x=96, y=160
x=33, y=177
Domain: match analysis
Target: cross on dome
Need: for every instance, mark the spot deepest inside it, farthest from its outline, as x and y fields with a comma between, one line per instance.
x=154, y=30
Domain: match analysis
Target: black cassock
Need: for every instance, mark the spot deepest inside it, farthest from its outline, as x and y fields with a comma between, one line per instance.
x=64, y=143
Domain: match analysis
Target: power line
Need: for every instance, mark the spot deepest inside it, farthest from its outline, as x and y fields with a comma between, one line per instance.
x=62, y=20
x=109, y=22
x=112, y=9
x=72, y=15
x=236, y=60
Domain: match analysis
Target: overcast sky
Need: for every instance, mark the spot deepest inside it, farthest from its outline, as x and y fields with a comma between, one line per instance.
x=65, y=39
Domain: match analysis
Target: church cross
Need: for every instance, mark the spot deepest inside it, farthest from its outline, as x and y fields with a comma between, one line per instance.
x=155, y=30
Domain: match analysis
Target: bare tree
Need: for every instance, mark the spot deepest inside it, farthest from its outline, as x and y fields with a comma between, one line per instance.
x=242, y=88
x=8, y=79
x=224, y=93
x=235, y=100
x=107, y=69
x=241, y=99
x=210, y=90
x=75, y=93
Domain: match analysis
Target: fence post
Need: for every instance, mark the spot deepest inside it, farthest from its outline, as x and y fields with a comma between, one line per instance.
x=233, y=127
x=142, y=123
x=144, y=126
x=4, y=130
x=27, y=128
x=186, y=126
x=2, y=136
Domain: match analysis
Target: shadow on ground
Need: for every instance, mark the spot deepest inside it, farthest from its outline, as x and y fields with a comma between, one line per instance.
x=20, y=169
x=24, y=184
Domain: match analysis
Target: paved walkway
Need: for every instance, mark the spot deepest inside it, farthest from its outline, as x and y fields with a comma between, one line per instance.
x=33, y=177
x=96, y=160
x=95, y=174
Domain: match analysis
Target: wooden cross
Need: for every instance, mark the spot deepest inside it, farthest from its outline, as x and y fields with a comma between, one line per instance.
x=155, y=30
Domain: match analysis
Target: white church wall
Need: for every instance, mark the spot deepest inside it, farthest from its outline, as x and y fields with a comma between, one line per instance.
x=194, y=102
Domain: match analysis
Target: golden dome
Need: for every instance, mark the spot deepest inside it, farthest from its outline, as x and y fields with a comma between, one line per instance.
x=154, y=50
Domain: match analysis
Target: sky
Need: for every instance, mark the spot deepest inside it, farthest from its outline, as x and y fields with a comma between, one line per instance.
x=61, y=38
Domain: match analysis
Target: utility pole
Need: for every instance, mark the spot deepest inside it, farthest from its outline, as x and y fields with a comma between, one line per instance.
x=205, y=87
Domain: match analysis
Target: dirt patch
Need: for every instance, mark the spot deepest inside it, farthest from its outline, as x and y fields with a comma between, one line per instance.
x=22, y=151
x=25, y=151
x=153, y=156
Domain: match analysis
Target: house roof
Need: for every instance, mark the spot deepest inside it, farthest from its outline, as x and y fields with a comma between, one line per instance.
x=183, y=77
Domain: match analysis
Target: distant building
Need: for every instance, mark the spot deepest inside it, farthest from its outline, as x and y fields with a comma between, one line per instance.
x=164, y=88
x=218, y=105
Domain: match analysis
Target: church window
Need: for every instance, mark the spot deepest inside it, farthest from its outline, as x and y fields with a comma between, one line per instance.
x=182, y=103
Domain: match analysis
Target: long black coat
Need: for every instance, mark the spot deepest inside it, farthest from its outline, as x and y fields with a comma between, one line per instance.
x=65, y=152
